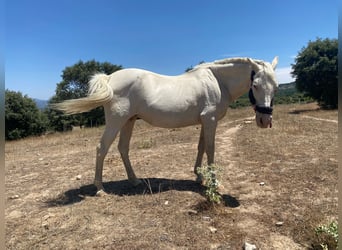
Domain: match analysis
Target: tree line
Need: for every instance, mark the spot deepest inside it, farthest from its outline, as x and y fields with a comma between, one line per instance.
x=315, y=71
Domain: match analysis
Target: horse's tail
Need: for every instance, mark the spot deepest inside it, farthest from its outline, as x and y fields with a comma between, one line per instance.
x=99, y=93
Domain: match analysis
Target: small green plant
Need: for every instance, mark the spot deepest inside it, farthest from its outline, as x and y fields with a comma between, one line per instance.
x=146, y=144
x=328, y=235
x=209, y=175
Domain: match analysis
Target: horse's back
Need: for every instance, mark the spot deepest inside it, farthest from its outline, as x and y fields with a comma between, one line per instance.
x=155, y=88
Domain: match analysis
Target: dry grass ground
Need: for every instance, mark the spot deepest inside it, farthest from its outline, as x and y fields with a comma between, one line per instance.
x=279, y=184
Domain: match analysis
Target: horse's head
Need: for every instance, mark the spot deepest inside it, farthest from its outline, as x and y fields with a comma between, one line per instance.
x=261, y=93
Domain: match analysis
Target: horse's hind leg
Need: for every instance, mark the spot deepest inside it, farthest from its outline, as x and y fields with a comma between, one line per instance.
x=123, y=146
x=101, y=151
x=107, y=139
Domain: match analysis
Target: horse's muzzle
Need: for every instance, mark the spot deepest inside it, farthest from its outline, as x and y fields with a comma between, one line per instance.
x=263, y=120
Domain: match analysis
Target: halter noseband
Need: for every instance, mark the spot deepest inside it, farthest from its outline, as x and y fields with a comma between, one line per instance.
x=263, y=110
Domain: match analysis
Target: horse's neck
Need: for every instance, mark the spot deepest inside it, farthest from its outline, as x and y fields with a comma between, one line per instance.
x=235, y=78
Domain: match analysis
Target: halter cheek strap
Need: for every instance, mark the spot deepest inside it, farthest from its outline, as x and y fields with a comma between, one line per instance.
x=251, y=97
x=250, y=93
x=252, y=76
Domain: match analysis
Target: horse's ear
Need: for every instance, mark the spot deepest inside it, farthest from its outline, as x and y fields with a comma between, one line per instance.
x=275, y=62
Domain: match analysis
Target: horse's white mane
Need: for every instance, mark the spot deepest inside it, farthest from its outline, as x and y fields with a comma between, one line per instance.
x=238, y=60
x=256, y=65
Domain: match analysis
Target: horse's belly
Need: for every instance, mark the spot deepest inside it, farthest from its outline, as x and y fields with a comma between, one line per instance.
x=171, y=123
x=170, y=119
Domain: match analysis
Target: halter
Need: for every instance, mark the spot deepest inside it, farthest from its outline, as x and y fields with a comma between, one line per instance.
x=263, y=110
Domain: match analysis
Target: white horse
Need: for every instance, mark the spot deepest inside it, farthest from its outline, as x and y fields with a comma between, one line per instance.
x=200, y=96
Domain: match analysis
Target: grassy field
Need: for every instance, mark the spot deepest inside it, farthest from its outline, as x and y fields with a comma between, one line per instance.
x=279, y=185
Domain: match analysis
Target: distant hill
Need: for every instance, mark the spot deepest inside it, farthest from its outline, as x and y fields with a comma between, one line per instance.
x=288, y=93
x=287, y=88
x=41, y=104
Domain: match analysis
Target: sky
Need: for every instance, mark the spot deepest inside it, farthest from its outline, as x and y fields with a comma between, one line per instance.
x=43, y=37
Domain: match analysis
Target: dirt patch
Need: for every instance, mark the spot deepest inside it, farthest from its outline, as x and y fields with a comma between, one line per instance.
x=279, y=183
x=319, y=119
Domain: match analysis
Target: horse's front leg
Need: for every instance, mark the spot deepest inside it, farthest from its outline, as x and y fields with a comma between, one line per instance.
x=123, y=146
x=199, y=157
x=209, y=125
x=206, y=143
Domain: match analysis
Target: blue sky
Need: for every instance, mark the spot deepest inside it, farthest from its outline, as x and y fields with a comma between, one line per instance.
x=43, y=37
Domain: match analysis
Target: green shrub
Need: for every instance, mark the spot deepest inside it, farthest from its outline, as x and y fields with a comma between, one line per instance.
x=210, y=181
x=328, y=236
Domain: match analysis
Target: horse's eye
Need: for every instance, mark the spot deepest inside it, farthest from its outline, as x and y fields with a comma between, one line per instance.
x=255, y=86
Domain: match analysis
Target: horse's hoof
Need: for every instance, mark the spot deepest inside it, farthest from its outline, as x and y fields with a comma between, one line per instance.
x=101, y=193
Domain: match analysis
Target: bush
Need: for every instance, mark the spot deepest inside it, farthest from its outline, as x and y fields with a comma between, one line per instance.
x=209, y=175
x=22, y=117
x=328, y=236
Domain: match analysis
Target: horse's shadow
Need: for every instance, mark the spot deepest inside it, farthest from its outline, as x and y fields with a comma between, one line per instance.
x=149, y=186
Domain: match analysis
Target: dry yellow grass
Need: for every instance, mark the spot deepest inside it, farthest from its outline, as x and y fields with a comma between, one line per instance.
x=285, y=174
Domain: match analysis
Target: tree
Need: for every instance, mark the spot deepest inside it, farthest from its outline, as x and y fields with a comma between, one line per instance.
x=22, y=117
x=315, y=70
x=75, y=85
